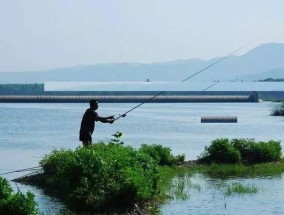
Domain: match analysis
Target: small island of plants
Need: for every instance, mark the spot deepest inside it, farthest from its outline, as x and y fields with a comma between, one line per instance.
x=113, y=178
x=278, y=109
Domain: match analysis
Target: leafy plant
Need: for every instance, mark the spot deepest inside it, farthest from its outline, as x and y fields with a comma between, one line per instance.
x=162, y=154
x=102, y=177
x=249, y=151
x=16, y=204
x=221, y=151
x=117, y=138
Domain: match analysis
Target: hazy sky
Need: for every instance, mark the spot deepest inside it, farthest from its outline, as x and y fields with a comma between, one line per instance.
x=45, y=34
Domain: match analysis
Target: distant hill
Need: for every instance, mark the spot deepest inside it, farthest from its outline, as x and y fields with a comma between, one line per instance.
x=274, y=74
x=259, y=63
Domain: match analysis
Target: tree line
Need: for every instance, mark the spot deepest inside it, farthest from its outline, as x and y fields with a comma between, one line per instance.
x=272, y=80
x=21, y=89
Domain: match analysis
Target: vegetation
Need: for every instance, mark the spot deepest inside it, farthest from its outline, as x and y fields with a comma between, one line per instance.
x=15, y=204
x=113, y=178
x=248, y=151
x=162, y=155
x=240, y=170
x=21, y=89
x=272, y=80
x=236, y=188
x=278, y=109
x=102, y=177
x=240, y=189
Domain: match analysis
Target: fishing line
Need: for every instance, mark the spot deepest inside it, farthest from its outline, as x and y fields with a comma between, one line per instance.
x=212, y=85
x=22, y=170
x=198, y=72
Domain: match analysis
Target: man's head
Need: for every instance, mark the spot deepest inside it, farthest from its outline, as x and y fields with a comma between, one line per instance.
x=94, y=104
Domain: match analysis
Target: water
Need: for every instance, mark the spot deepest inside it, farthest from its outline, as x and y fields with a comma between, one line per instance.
x=28, y=131
x=206, y=196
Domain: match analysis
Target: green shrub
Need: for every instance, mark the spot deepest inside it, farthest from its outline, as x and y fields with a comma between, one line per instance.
x=278, y=109
x=257, y=152
x=266, y=151
x=101, y=177
x=244, y=146
x=241, y=150
x=117, y=138
x=162, y=155
x=221, y=151
x=15, y=204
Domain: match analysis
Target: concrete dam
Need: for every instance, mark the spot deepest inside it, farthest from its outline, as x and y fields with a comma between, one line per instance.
x=127, y=98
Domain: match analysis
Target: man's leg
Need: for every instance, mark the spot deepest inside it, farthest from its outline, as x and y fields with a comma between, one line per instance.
x=87, y=143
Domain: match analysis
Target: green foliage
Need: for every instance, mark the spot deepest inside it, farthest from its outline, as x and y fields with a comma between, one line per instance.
x=15, y=204
x=117, y=138
x=266, y=151
x=225, y=151
x=240, y=170
x=221, y=151
x=162, y=154
x=240, y=189
x=101, y=177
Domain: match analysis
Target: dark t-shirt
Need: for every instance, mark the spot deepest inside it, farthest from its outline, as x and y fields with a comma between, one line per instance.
x=88, y=125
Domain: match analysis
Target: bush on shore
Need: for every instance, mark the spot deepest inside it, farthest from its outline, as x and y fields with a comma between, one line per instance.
x=101, y=177
x=16, y=203
x=278, y=110
x=249, y=151
x=162, y=155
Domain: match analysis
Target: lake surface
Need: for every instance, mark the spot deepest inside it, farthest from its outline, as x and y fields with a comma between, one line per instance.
x=28, y=131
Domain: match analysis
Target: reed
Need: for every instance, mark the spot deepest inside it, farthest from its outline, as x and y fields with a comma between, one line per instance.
x=240, y=189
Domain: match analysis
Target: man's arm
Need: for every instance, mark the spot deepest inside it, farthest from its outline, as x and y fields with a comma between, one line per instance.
x=108, y=119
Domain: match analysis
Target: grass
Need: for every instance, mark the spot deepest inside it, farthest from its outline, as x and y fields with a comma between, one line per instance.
x=176, y=182
x=240, y=189
x=240, y=170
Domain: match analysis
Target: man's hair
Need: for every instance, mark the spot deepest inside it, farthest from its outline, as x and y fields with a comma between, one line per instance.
x=93, y=102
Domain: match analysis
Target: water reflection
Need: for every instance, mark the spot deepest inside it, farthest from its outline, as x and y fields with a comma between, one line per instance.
x=206, y=195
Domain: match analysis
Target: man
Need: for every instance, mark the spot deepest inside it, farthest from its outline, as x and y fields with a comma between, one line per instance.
x=88, y=122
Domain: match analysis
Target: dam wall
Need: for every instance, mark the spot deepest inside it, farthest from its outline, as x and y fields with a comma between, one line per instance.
x=127, y=98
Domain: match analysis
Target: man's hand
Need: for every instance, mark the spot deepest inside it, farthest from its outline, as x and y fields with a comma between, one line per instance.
x=111, y=120
x=111, y=117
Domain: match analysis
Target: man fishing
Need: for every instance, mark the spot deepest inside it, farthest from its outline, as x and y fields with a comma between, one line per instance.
x=88, y=122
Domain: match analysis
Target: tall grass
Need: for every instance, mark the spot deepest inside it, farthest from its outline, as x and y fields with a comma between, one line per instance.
x=176, y=182
x=240, y=189
x=240, y=170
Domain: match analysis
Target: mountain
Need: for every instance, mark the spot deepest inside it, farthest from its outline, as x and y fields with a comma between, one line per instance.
x=275, y=74
x=262, y=59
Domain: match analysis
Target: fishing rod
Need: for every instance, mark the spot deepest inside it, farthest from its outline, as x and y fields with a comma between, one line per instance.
x=198, y=72
x=212, y=85
x=22, y=170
